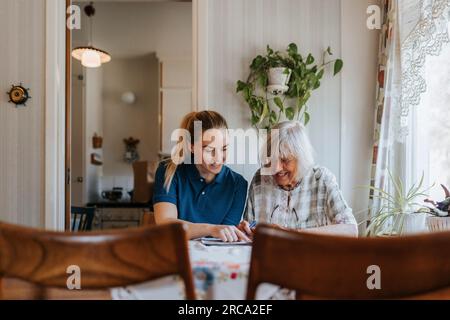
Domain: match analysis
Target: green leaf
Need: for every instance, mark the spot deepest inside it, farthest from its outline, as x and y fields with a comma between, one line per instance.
x=257, y=62
x=269, y=50
x=329, y=51
x=273, y=117
x=290, y=113
x=263, y=79
x=247, y=93
x=255, y=106
x=320, y=74
x=316, y=85
x=307, y=118
x=338, y=66
x=302, y=100
x=255, y=119
x=292, y=49
x=279, y=103
x=264, y=113
x=310, y=59
x=241, y=85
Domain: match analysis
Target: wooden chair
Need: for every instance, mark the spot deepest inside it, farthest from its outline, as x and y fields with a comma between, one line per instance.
x=331, y=267
x=106, y=259
x=143, y=172
x=148, y=218
x=82, y=218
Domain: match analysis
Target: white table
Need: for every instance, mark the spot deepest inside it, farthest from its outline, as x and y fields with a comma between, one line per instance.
x=220, y=273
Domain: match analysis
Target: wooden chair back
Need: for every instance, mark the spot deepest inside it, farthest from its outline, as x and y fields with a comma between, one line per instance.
x=148, y=218
x=331, y=267
x=105, y=259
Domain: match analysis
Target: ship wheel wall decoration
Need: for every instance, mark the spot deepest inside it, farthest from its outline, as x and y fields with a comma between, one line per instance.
x=18, y=95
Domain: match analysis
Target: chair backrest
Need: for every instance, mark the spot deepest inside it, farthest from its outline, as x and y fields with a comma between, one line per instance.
x=148, y=218
x=143, y=172
x=105, y=259
x=81, y=218
x=321, y=266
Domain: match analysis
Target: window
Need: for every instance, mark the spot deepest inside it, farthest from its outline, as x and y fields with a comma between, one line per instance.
x=431, y=126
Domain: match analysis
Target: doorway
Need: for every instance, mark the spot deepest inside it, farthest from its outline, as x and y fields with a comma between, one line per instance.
x=121, y=113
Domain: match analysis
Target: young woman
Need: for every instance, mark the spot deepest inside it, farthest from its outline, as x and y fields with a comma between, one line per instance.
x=201, y=191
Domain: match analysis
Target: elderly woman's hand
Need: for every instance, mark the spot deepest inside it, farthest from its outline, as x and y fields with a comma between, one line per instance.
x=245, y=227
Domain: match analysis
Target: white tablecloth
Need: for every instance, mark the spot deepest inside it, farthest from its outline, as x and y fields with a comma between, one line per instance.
x=220, y=273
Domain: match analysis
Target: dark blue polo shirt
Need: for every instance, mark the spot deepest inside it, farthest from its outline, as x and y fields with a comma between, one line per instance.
x=220, y=202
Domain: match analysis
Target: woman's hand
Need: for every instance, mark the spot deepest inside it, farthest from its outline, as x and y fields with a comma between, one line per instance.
x=228, y=233
x=245, y=227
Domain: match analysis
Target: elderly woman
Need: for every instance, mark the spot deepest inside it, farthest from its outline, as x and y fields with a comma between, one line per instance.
x=292, y=192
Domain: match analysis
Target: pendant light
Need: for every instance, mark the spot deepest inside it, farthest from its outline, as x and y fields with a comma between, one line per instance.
x=90, y=56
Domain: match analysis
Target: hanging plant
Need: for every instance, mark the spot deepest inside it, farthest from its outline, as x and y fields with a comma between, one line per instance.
x=280, y=84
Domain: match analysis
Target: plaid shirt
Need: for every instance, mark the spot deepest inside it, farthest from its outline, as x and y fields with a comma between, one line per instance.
x=315, y=202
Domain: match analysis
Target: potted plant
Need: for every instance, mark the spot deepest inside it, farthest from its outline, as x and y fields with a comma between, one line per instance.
x=280, y=85
x=400, y=213
x=439, y=218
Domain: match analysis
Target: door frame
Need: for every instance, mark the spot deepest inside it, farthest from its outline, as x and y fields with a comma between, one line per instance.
x=68, y=128
x=200, y=55
x=56, y=98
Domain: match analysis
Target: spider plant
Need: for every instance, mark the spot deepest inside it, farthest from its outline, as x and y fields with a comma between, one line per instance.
x=395, y=206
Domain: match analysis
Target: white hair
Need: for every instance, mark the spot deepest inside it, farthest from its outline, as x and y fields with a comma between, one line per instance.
x=289, y=139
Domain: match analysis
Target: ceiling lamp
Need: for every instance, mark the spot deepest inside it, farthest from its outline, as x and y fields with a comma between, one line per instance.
x=90, y=56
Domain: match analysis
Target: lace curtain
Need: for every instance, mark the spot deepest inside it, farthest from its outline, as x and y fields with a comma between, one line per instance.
x=426, y=38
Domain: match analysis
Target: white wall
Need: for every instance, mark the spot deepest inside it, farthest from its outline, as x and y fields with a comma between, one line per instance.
x=87, y=120
x=139, y=120
x=93, y=119
x=341, y=109
x=22, y=59
x=135, y=29
x=360, y=50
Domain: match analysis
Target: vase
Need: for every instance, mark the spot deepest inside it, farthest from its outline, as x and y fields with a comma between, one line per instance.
x=410, y=223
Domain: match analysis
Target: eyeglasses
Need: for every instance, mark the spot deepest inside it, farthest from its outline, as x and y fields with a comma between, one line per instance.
x=284, y=218
x=283, y=161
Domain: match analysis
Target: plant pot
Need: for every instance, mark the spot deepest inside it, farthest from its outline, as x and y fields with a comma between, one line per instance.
x=278, y=80
x=436, y=224
x=412, y=223
x=278, y=76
